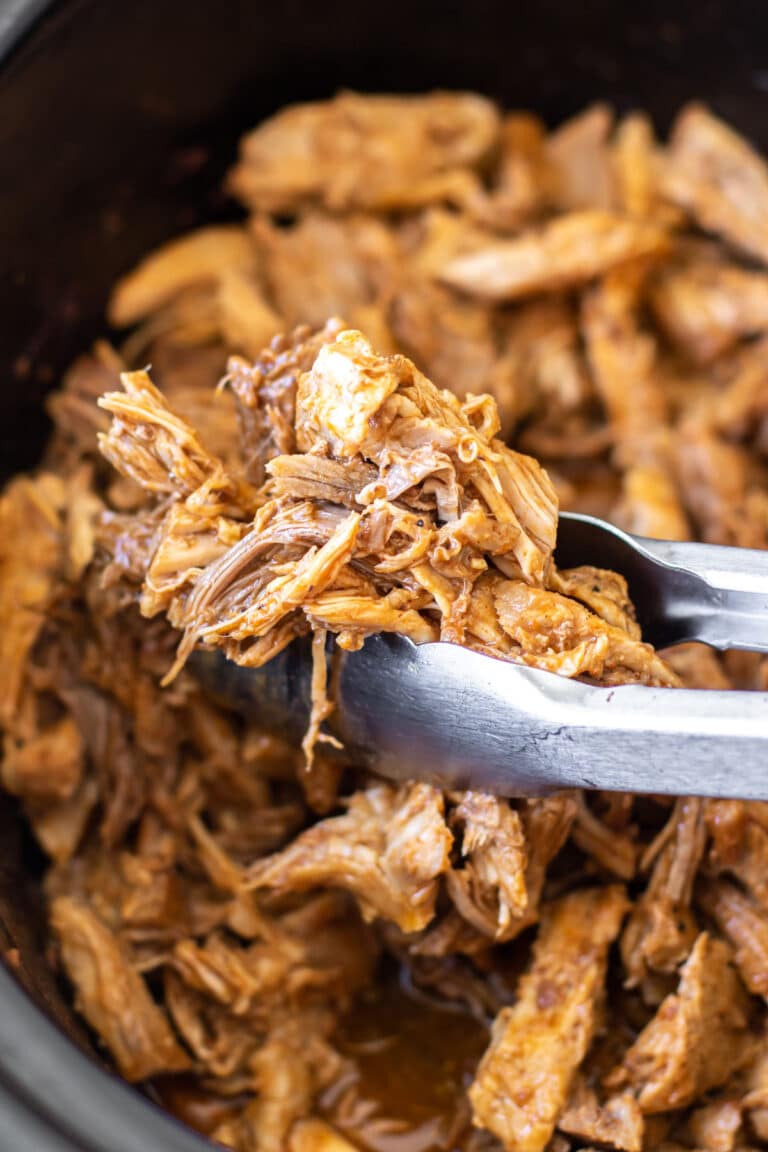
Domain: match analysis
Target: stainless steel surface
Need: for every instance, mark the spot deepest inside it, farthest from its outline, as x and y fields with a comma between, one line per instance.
x=453, y=717
x=680, y=591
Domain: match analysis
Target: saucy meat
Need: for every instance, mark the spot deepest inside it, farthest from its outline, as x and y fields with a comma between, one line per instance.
x=360, y=409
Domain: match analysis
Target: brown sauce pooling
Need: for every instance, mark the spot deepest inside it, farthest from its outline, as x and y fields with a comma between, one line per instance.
x=188, y=1101
x=411, y=1061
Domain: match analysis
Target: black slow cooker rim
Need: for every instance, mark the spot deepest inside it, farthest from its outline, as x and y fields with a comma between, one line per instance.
x=48, y=1087
x=16, y=18
x=52, y=1097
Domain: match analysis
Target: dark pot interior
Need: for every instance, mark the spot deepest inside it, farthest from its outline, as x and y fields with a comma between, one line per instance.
x=116, y=123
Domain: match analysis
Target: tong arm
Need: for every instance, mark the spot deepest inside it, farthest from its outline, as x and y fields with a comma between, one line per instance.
x=681, y=591
x=459, y=719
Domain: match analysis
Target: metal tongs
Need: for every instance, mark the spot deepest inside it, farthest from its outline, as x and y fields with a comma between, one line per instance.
x=459, y=719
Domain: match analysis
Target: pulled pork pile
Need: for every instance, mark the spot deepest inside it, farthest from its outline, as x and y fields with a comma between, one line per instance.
x=292, y=958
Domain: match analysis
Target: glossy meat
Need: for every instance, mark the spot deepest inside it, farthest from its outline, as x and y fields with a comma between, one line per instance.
x=482, y=320
x=523, y=1081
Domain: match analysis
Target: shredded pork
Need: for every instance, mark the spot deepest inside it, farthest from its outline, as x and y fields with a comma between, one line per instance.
x=366, y=403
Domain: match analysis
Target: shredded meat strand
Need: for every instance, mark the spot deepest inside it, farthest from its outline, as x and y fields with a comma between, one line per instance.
x=435, y=325
x=523, y=1081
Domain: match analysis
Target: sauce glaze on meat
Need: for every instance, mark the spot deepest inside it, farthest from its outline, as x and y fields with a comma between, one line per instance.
x=436, y=325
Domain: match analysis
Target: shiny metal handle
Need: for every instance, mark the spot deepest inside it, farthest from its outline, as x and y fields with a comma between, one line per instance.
x=681, y=591
x=459, y=719
x=730, y=607
x=276, y=696
x=462, y=719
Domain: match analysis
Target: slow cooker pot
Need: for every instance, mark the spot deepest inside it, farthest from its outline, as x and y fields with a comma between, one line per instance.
x=117, y=121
